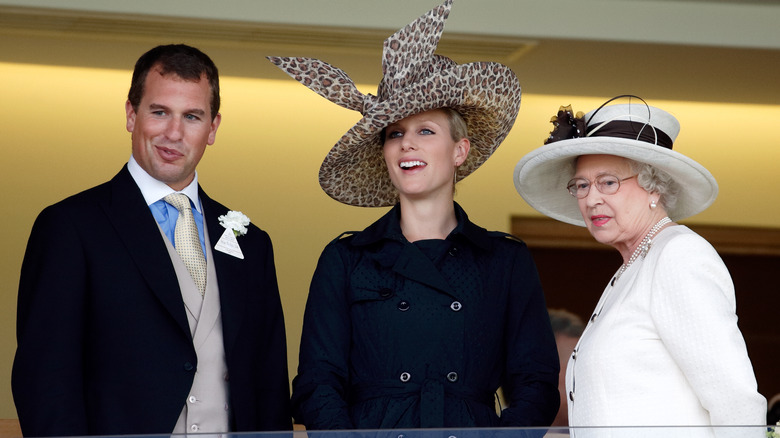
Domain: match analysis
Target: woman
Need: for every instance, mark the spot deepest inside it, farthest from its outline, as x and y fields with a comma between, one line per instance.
x=662, y=346
x=418, y=319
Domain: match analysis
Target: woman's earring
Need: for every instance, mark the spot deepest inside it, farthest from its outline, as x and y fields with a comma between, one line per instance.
x=653, y=204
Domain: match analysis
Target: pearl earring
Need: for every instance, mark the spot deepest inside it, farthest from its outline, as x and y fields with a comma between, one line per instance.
x=653, y=204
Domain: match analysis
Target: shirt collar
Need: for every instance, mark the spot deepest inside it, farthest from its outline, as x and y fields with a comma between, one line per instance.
x=154, y=190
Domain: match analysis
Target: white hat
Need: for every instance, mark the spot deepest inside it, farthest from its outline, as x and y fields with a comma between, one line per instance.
x=635, y=131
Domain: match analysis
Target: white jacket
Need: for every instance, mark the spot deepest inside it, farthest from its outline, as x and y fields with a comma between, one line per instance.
x=663, y=346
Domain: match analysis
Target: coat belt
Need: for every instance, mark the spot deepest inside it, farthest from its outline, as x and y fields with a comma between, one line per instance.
x=431, y=392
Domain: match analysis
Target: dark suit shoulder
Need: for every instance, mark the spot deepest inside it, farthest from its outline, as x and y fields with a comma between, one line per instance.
x=83, y=205
x=87, y=196
x=346, y=236
x=121, y=185
x=341, y=246
x=505, y=237
x=504, y=247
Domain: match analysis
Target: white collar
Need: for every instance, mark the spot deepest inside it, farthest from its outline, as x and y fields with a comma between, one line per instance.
x=153, y=190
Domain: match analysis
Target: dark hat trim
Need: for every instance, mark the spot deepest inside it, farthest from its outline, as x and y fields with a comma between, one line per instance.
x=632, y=131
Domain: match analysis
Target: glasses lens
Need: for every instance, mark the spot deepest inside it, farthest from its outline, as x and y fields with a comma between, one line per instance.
x=579, y=187
x=608, y=184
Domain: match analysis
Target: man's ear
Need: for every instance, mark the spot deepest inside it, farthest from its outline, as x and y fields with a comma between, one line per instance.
x=130, y=114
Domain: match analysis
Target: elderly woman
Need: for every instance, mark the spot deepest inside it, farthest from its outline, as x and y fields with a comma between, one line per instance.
x=662, y=346
x=417, y=320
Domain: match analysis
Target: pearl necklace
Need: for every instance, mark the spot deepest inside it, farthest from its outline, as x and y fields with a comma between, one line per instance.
x=643, y=247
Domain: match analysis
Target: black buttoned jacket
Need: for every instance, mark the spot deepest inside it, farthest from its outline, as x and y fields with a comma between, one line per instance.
x=407, y=335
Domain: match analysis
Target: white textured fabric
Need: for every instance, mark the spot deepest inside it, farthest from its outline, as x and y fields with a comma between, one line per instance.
x=664, y=347
x=187, y=240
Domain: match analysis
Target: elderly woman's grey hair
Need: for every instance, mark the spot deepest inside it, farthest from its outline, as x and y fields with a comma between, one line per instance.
x=655, y=180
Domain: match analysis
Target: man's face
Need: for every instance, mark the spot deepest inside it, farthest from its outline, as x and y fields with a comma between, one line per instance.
x=172, y=127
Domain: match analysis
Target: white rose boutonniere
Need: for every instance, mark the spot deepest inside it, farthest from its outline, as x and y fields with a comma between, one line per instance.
x=236, y=221
x=235, y=224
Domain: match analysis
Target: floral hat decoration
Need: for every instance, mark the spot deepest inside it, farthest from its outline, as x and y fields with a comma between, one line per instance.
x=486, y=94
x=635, y=131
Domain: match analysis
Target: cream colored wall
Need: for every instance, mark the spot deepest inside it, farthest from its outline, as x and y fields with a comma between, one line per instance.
x=64, y=131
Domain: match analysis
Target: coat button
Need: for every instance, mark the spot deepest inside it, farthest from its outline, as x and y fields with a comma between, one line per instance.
x=403, y=306
x=405, y=377
x=456, y=306
x=452, y=376
x=571, y=395
x=188, y=366
x=453, y=251
x=593, y=317
x=385, y=292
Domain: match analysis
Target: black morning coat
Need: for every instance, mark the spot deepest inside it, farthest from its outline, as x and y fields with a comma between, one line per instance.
x=104, y=347
x=403, y=335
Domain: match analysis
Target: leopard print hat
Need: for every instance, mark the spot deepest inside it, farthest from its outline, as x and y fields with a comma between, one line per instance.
x=415, y=80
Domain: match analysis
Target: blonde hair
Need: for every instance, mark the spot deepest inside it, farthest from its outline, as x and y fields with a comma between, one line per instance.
x=458, y=127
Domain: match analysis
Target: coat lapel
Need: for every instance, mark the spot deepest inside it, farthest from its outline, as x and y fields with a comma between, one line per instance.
x=405, y=258
x=415, y=265
x=231, y=273
x=134, y=223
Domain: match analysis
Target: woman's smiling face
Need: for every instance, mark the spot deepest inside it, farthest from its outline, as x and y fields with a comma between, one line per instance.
x=421, y=155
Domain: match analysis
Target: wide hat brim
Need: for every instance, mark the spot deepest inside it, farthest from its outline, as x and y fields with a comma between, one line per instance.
x=414, y=79
x=486, y=95
x=541, y=176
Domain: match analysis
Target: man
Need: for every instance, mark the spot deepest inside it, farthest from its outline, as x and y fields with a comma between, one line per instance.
x=120, y=334
x=567, y=328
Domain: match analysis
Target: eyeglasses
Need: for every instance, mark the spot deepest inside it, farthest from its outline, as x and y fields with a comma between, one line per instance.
x=607, y=184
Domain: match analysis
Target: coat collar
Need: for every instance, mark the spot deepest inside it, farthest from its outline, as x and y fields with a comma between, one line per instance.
x=388, y=227
x=232, y=274
x=406, y=259
x=128, y=212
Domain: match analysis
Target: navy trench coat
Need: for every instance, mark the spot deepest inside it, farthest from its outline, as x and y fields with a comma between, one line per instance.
x=394, y=337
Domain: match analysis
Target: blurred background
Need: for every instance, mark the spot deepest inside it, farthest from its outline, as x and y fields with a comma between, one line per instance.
x=65, y=70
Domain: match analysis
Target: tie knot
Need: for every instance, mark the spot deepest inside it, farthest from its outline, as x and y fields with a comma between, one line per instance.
x=178, y=200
